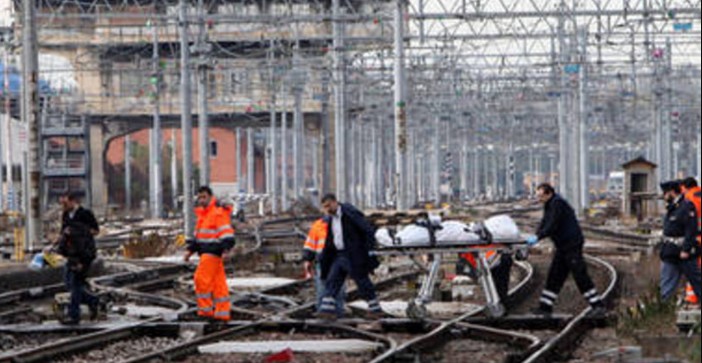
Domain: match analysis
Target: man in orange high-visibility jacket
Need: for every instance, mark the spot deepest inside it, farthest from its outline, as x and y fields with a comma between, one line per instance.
x=314, y=245
x=693, y=193
x=214, y=239
x=500, y=267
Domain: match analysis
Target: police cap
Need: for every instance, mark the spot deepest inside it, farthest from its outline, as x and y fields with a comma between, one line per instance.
x=673, y=185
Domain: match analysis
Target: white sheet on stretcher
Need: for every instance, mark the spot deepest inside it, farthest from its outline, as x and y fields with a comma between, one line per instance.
x=451, y=233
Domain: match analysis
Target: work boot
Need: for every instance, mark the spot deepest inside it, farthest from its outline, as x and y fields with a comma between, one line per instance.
x=543, y=311
x=597, y=312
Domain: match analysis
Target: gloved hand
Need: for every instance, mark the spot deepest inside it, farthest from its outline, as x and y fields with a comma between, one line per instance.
x=532, y=240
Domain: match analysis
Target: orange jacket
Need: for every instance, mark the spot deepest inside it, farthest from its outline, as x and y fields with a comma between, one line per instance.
x=316, y=240
x=694, y=195
x=213, y=232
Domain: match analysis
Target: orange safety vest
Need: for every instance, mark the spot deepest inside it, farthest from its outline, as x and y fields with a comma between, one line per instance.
x=694, y=195
x=491, y=255
x=317, y=237
x=213, y=229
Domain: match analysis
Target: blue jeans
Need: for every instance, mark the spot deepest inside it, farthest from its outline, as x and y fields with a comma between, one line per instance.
x=672, y=272
x=76, y=284
x=340, y=270
x=319, y=286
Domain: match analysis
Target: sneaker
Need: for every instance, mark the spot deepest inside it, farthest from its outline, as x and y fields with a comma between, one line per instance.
x=330, y=317
x=96, y=309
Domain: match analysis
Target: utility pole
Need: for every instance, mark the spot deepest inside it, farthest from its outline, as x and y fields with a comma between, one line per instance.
x=186, y=121
x=3, y=155
x=174, y=169
x=400, y=110
x=128, y=173
x=250, y=162
x=565, y=164
x=298, y=122
x=11, y=198
x=325, y=137
x=284, y=151
x=668, y=112
x=202, y=52
x=435, y=168
x=240, y=188
x=273, y=167
x=583, y=125
x=30, y=117
x=156, y=190
x=339, y=101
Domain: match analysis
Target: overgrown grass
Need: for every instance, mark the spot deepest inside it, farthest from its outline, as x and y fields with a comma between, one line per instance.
x=651, y=314
x=695, y=355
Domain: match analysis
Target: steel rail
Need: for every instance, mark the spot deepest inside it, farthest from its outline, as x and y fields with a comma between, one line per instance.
x=578, y=326
x=445, y=327
x=190, y=348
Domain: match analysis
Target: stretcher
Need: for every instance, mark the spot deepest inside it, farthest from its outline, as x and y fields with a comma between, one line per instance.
x=435, y=238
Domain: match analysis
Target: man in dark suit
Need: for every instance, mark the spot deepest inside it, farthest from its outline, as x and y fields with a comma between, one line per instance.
x=347, y=254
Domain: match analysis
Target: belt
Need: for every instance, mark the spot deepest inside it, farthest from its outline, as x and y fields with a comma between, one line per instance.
x=679, y=241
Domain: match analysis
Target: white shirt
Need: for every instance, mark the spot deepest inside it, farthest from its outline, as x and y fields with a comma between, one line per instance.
x=72, y=213
x=338, y=230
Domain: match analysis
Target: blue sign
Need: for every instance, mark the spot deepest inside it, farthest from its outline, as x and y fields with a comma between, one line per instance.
x=682, y=27
x=572, y=68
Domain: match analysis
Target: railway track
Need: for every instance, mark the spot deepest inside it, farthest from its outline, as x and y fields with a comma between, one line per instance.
x=272, y=310
x=522, y=346
x=440, y=332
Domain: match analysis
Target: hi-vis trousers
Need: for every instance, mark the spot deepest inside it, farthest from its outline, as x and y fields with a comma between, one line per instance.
x=211, y=288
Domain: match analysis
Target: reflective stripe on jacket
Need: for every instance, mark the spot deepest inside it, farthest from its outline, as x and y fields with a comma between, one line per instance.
x=214, y=233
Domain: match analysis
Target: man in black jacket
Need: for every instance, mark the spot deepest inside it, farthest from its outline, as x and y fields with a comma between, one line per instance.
x=77, y=244
x=680, y=250
x=561, y=225
x=350, y=239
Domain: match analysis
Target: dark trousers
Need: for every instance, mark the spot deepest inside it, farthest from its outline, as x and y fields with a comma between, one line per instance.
x=501, y=275
x=566, y=263
x=672, y=271
x=340, y=270
x=76, y=284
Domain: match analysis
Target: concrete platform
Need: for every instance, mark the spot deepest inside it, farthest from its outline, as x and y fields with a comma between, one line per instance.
x=257, y=283
x=302, y=346
x=145, y=311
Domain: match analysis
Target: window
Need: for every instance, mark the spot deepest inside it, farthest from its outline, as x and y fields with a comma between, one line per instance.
x=213, y=149
x=238, y=82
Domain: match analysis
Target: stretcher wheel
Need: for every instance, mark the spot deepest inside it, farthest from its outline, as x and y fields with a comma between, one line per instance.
x=496, y=311
x=417, y=310
x=522, y=254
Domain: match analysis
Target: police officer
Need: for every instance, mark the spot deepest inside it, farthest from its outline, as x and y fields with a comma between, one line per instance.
x=561, y=225
x=679, y=250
